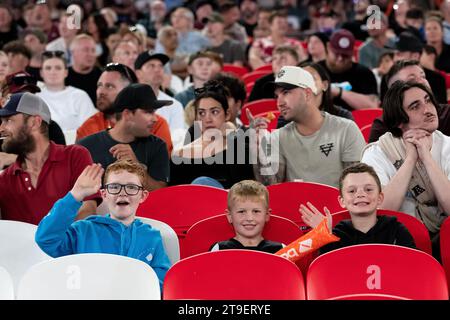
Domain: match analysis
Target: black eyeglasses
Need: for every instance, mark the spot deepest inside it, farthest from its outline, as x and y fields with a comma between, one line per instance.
x=123, y=70
x=116, y=188
x=52, y=54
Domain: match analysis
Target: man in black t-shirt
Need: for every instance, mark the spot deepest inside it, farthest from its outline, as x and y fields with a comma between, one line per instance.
x=130, y=138
x=339, y=65
x=83, y=74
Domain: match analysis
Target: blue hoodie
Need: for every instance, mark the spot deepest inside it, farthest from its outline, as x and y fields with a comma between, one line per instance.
x=58, y=235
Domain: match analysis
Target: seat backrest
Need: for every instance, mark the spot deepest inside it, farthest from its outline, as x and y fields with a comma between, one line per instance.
x=415, y=227
x=6, y=285
x=169, y=237
x=258, y=107
x=366, y=132
x=234, y=275
x=445, y=247
x=183, y=205
x=202, y=235
x=254, y=75
x=236, y=70
x=376, y=269
x=363, y=117
x=18, y=249
x=266, y=67
x=286, y=197
x=91, y=276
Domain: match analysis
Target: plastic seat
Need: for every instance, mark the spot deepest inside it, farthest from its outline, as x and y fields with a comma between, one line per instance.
x=445, y=247
x=417, y=229
x=6, y=285
x=254, y=75
x=364, y=117
x=376, y=269
x=202, y=235
x=258, y=107
x=286, y=197
x=183, y=205
x=234, y=275
x=169, y=237
x=236, y=70
x=92, y=276
x=366, y=132
x=266, y=67
x=18, y=249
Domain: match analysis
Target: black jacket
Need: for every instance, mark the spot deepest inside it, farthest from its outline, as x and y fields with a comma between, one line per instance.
x=387, y=230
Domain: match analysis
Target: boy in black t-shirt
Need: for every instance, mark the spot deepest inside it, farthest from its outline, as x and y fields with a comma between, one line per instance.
x=248, y=211
x=360, y=193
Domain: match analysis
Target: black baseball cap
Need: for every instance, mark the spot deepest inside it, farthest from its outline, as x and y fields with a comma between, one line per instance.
x=407, y=41
x=147, y=56
x=138, y=96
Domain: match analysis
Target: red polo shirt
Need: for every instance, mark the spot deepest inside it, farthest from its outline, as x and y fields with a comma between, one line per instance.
x=20, y=201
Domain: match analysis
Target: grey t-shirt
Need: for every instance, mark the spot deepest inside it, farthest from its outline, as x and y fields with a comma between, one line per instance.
x=230, y=50
x=150, y=151
x=320, y=156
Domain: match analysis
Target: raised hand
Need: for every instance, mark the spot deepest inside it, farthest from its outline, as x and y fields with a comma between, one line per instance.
x=313, y=217
x=123, y=151
x=257, y=123
x=88, y=183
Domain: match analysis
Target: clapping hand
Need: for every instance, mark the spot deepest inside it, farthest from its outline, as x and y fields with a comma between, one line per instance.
x=313, y=217
x=88, y=183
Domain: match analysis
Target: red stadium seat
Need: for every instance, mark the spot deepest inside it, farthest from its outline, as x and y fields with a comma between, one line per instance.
x=445, y=247
x=266, y=67
x=234, y=275
x=258, y=107
x=364, y=117
x=182, y=206
x=366, y=132
x=253, y=76
x=285, y=199
x=417, y=229
x=203, y=234
x=236, y=70
x=371, y=270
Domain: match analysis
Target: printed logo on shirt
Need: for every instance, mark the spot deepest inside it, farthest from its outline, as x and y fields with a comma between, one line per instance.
x=149, y=257
x=418, y=190
x=397, y=164
x=326, y=148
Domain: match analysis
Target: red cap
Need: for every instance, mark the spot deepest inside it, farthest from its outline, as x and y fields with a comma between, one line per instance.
x=342, y=42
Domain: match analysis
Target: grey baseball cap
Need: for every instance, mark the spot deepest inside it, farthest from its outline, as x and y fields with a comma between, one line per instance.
x=27, y=103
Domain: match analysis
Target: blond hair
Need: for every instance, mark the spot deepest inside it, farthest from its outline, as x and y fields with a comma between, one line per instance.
x=129, y=166
x=248, y=189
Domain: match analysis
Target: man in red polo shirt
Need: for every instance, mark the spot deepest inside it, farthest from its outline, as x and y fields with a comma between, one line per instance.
x=43, y=171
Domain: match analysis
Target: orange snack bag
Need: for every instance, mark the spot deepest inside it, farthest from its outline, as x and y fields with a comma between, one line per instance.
x=270, y=116
x=313, y=240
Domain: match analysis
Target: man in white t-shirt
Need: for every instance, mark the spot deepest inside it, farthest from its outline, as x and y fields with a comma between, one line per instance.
x=315, y=146
x=413, y=158
x=149, y=68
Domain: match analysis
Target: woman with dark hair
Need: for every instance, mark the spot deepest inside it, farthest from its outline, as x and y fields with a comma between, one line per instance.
x=97, y=27
x=317, y=46
x=219, y=157
x=434, y=33
x=322, y=80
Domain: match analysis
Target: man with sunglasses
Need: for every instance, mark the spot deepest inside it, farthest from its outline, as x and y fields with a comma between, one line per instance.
x=44, y=171
x=339, y=65
x=130, y=138
x=113, y=79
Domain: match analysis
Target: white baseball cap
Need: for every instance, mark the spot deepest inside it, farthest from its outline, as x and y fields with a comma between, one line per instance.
x=291, y=77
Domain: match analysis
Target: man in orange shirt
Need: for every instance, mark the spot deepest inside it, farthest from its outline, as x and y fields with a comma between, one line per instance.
x=114, y=78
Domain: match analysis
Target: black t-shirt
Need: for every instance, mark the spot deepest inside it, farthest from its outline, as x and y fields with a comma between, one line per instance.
x=387, y=230
x=360, y=77
x=150, y=151
x=86, y=82
x=435, y=79
x=443, y=60
x=55, y=133
x=260, y=90
x=264, y=245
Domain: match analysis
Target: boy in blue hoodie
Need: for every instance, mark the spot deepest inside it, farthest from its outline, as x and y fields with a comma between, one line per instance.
x=117, y=233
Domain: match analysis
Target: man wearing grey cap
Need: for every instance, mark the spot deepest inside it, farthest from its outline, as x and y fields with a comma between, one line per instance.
x=43, y=171
x=315, y=146
x=130, y=138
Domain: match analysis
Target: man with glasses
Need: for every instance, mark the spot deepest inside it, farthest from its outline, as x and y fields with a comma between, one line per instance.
x=130, y=138
x=339, y=65
x=113, y=79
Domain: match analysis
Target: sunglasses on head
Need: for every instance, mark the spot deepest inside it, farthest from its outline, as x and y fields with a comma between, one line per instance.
x=123, y=70
x=211, y=87
x=52, y=54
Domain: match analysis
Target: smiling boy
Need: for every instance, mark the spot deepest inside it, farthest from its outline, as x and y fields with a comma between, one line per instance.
x=117, y=233
x=360, y=193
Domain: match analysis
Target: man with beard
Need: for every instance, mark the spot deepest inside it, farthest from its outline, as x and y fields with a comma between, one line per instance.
x=341, y=68
x=130, y=139
x=113, y=79
x=43, y=171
